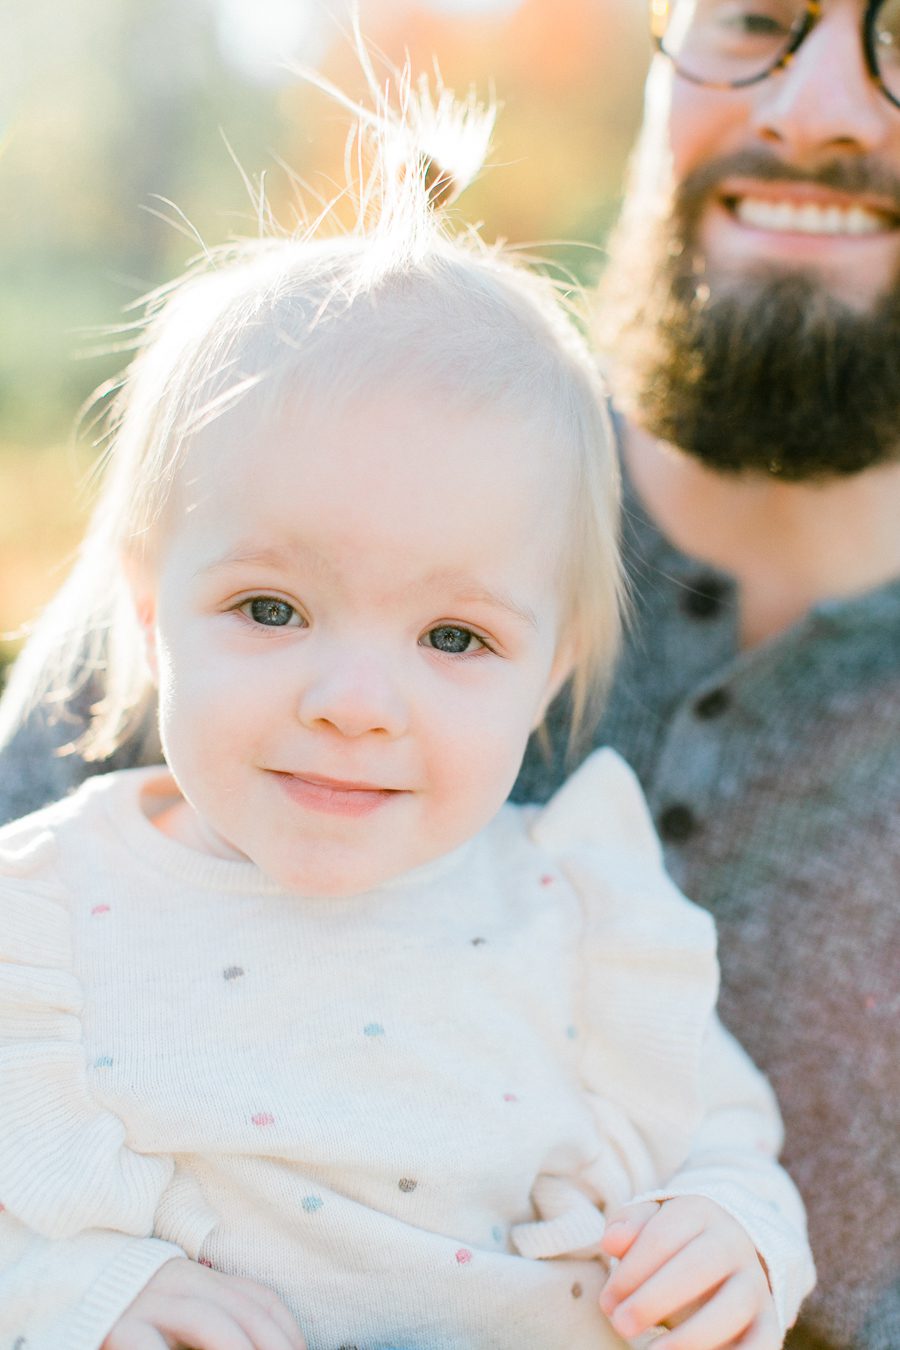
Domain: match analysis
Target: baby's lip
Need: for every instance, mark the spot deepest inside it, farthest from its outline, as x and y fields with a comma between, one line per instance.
x=350, y=797
x=336, y=784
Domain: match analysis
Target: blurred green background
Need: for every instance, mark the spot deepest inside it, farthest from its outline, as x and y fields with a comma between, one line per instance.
x=109, y=109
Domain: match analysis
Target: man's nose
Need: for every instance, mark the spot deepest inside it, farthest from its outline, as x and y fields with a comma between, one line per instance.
x=825, y=101
x=355, y=692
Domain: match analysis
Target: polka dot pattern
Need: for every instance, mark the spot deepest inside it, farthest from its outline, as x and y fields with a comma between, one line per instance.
x=393, y=1120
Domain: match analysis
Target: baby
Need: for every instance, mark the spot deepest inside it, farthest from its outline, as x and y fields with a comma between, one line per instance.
x=306, y=1029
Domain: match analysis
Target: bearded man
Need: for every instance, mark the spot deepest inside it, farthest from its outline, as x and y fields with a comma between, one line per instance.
x=751, y=317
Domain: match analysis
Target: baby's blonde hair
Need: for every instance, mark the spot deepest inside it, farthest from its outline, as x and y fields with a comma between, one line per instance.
x=265, y=324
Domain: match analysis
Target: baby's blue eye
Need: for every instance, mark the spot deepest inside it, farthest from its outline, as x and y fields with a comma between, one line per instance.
x=268, y=610
x=453, y=639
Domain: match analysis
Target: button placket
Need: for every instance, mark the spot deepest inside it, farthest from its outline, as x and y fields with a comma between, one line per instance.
x=684, y=790
x=677, y=822
x=705, y=596
x=712, y=704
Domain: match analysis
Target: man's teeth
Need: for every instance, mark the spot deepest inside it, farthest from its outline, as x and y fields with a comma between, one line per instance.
x=766, y=214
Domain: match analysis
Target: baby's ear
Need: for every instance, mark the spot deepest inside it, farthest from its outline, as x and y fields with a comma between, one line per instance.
x=143, y=598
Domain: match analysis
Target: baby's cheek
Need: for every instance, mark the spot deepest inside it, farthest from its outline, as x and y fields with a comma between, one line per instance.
x=206, y=727
x=475, y=771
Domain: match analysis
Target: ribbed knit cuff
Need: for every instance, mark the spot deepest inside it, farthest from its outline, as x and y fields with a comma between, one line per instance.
x=118, y=1285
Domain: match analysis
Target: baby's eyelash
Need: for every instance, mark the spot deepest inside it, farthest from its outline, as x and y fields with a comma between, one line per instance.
x=454, y=639
x=270, y=611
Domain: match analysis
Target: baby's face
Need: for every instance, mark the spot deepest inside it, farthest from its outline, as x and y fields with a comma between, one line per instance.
x=354, y=625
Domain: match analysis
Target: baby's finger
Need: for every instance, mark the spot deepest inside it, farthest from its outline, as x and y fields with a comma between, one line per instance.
x=134, y=1336
x=251, y=1311
x=254, y=1307
x=763, y=1335
x=723, y=1320
x=625, y=1225
x=692, y=1273
x=269, y=1302
x=199, y=1323
x=668, y=1230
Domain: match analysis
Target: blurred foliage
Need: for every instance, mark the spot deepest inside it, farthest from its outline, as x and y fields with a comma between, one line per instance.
x=109, y=109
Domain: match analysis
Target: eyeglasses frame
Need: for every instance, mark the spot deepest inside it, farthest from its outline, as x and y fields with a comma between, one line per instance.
x=659, y=16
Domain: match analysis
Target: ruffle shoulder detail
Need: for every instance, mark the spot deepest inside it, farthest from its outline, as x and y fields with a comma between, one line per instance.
x=64, y=1162
x=648, y=972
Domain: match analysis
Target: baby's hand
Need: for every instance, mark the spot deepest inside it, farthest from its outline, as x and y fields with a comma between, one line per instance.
x=688, y=1264
x=189, y=1304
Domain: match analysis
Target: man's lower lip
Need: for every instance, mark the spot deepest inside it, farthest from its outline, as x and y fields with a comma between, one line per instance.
x=331, y=800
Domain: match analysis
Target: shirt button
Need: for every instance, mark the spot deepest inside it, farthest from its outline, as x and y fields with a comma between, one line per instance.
x=677, y=823
x=712, y=704
x=704, y=597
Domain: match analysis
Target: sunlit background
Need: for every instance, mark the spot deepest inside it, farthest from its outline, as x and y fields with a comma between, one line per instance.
x=118, y=117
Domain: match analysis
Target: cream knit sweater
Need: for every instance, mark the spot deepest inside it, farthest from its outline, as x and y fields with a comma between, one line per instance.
x=393, y=1109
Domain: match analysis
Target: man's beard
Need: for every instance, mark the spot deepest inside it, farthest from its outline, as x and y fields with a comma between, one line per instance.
x=771, y=373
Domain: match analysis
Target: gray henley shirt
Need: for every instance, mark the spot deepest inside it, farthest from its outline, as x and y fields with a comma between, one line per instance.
x=774, y=778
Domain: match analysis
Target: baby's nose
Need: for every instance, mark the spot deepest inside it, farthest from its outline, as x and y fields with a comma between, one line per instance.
x=355, y=695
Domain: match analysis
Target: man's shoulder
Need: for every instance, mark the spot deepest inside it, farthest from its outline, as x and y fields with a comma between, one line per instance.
x=39, y=764
x=96, y=800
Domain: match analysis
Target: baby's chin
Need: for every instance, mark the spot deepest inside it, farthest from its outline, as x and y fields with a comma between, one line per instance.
x=330, y=881
x=314, y=864
x=341, y=872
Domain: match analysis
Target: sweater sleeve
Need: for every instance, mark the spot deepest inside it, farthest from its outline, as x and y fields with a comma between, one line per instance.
x=77, y=1205
x=733, y=1161
x=680, y=1105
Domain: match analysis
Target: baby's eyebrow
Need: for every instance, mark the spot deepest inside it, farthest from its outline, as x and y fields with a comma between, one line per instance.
x=253, y=554
x=469, y=591
x=504, y=602
x=463, y=588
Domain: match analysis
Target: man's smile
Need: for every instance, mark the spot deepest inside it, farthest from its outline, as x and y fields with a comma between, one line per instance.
x=800, y=224
x=767, y=214
x=803, y=208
